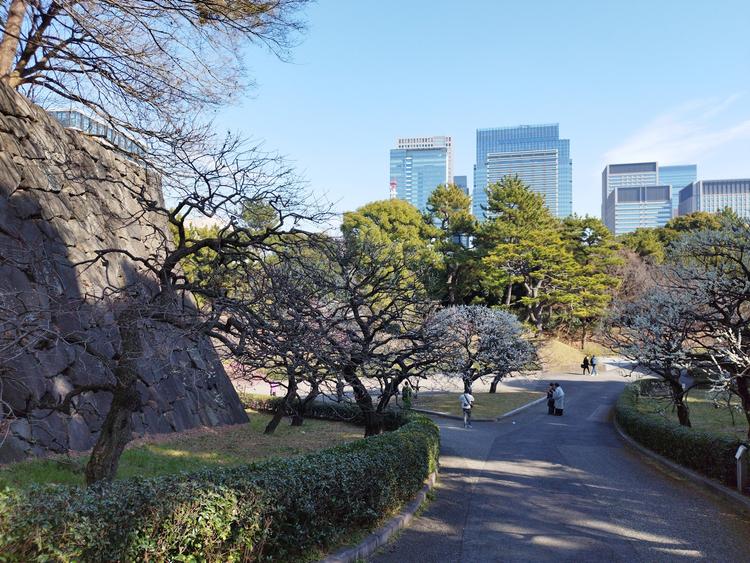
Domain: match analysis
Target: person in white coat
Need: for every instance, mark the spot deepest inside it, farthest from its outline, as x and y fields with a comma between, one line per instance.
x=559, y=397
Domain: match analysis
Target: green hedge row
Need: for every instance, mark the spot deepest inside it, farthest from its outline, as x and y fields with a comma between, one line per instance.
x=326, y=410
x=703, y=452
x=280, y=509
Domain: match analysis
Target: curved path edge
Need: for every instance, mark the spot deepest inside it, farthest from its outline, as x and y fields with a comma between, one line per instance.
x=668, y=466
x=380, y=537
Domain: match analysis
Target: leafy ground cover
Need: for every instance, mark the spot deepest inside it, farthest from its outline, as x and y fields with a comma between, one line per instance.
x=487, y=405
x=705, y=415
x=203, y=448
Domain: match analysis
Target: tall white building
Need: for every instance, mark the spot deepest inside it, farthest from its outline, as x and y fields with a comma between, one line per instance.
x=714, y=195
x=418, y=165
x=642, y=194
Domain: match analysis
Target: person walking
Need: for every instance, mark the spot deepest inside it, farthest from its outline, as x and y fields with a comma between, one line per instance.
x=467, y=403
x=550, y=399
x=594, y=362
x=585, y=365
x=559, y=398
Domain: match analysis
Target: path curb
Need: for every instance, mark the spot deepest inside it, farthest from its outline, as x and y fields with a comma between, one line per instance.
x=380, y=537
x=697, y=479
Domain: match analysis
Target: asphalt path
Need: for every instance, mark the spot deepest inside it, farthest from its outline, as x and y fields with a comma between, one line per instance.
x=542, y=488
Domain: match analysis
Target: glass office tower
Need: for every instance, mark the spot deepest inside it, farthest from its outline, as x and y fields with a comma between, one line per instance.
x=461, y=182
x=619, y=210
x=536, y=154
x=418, y=166
x=678, y=177
x=635, y=207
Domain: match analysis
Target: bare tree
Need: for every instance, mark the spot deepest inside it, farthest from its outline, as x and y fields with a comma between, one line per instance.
x=658, y=332
x=285, y=333
x=712, y=269
x=146, y=66
x=378, y=318
x=220, y=185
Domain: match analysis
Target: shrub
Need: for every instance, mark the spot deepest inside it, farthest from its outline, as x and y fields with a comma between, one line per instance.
x=706, y=453
x=272, y=510
x=326, y=410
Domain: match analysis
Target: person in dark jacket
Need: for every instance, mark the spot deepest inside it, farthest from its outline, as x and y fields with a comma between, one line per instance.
x=550, y=400
x=585, y=365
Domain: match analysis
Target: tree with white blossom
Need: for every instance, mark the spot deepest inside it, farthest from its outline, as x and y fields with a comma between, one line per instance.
x=482, y=342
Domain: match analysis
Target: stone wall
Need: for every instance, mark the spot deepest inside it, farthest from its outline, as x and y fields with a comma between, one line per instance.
x=63, y=195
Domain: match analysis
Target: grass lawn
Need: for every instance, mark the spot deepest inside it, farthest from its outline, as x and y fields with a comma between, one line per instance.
x=486, y=405
x=192, y=450
x=556, y=354
x=704, y=415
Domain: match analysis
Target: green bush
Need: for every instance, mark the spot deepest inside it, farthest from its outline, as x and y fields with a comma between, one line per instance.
x=276, y=510
x=326, y=410
x=703, y=452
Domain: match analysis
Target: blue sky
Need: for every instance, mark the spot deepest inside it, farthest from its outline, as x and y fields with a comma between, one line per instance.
x=637, y=80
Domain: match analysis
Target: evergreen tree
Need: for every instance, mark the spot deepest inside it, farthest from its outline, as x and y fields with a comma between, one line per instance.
x=449, y=209
x=523, y=251
x=592, y=284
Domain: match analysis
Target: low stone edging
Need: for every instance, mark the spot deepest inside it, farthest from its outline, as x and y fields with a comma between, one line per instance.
x=380, y=537
x=665, y=464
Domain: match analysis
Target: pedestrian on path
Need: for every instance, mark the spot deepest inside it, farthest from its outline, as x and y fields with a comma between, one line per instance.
x=467, y=403
x=559, y=397
x=550, y=399
x=594, y=362
x=585, y=365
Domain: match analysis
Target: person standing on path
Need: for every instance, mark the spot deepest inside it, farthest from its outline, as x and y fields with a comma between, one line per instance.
x=585, y=365
x=550, y=399
x=594, y=362
x=467, y=402
x=559, y=397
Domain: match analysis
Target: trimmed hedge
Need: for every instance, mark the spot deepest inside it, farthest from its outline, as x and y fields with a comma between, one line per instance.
x=279, y=509
x=706, y=453
x=326, y=410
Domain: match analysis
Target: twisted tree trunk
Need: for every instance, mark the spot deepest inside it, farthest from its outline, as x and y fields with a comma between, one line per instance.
x=373, y=419
x=283, y=407
x=678, y=397
x=117, y=427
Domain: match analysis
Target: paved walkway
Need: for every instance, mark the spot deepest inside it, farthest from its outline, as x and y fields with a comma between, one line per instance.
x=543, y=488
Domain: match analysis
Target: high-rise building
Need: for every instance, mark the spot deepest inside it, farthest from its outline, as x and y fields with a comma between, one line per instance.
x=678, y=177
x=419, y=165
x=533, y=152
x=714, y=195
x=625, y=210
x=633, y=207
x=461, y=182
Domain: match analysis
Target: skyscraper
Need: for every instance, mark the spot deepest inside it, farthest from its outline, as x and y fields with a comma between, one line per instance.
x=536, y=154
x=642, y=194
x=678, y=177
x=461, y=182
x=419, y=165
